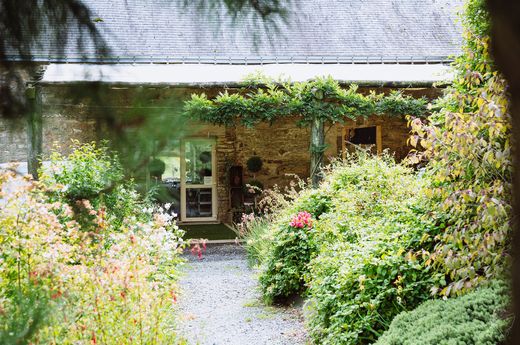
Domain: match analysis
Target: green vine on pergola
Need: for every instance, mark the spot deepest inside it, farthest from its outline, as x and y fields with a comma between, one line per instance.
x=313, y=103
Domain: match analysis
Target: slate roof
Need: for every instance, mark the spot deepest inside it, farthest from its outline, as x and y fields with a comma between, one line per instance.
x=333, y=31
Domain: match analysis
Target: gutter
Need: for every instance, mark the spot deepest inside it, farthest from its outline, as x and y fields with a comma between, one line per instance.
x=235, y=59
x=203, y=85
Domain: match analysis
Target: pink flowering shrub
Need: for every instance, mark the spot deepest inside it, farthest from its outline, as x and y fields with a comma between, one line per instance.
x=91, y=283
x=258, y=229
x=292, y=247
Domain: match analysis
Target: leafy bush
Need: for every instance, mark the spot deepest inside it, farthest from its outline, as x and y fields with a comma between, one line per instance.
x=475, y=318
x=86, y=172
x=468, y=149
x=292, y=249
x=363, y=201
x=368, y=268
x=289, y=249
x=91, y=173
x=87, y=283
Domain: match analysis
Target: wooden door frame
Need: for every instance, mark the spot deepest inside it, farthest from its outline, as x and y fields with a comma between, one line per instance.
x=214, y=178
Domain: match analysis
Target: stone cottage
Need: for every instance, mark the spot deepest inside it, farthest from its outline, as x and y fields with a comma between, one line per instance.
x=170, y=50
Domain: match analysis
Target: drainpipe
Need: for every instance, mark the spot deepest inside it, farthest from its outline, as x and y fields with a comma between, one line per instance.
x=317, y=150
x=34, y=129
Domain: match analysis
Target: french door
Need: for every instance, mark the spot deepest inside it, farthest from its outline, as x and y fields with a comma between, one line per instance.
x=198, y=180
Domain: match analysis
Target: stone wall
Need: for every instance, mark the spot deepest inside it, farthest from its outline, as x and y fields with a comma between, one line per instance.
x=14, y=78
x=283, y=147
x=13, y=140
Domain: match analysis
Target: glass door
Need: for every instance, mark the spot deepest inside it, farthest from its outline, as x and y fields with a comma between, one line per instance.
x=198, y=180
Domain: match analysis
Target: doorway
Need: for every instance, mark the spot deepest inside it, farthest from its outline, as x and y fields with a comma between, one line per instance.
x=198, y=180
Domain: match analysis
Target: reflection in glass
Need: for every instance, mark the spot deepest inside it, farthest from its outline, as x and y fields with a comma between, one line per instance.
x=169, y=181
x=198, y=162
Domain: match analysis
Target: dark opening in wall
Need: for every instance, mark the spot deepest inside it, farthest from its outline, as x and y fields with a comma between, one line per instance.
x=363, y=136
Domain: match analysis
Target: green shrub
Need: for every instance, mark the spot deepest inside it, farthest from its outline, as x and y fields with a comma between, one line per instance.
x=360, y=263
x=365, y=274
x=90, y=179
x=291, y=250
x=475, y=318
x=368, y=268
x=84, y=173
x=359, y=194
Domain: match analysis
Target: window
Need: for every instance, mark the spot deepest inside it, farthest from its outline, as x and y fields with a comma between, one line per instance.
x=361, y=137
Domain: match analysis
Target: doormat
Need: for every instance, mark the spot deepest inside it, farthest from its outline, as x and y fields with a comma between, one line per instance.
x=208, y=231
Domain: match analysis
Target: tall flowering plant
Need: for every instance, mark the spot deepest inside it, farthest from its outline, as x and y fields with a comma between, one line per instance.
x=87, y=282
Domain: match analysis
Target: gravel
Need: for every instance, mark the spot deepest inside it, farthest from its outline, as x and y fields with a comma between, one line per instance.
x=220, y=304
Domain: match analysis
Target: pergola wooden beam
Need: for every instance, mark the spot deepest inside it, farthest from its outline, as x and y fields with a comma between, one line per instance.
x=34, y=130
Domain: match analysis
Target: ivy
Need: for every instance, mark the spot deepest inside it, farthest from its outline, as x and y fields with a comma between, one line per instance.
x=264, y=100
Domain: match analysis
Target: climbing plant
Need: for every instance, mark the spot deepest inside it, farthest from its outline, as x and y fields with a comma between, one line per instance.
x=313, y=103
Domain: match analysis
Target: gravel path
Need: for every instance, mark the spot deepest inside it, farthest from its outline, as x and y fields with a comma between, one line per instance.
x=220, y=304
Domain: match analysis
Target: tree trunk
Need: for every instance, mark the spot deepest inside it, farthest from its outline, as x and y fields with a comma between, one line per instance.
x=34, y=131
x=317, y=149
x=505, y=39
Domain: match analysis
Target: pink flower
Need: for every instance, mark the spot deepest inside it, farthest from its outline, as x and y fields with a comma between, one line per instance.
x=301, y=220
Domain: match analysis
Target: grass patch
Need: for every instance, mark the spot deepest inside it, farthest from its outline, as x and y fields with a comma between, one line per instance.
x=208, y=231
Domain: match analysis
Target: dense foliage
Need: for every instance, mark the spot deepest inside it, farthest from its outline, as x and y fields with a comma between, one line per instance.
x=384, y=238
x=468, y=150
x=322, y=99
x=356, y=258
x=84, y=276
x=285, y=249
x=367, y=270
x=476, y=318
x=90, y=172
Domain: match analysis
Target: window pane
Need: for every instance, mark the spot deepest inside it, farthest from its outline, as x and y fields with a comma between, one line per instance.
x=169, y=182
x=363, y=136
x=199, y=202
x=199, y=162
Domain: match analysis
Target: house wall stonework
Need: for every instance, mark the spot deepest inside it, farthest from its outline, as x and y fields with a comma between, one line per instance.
x=283, y=146
x=13, y=141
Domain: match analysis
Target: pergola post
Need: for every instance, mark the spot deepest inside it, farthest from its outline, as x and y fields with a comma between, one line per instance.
x=317, y=149
x=34, y=130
